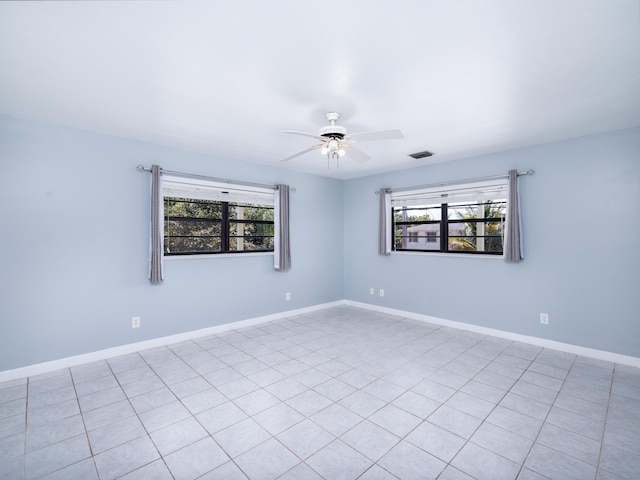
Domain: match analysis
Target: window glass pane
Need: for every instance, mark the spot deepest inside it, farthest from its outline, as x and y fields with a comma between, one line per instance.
x=465, y=211
x=192, y=227
x=192, y=244
x=461, y=243
x=192, y=235
x=191, y=208
x=462, y=228
x=425, y=236
x=417, y=213
x=476, y=236
x=250, y=236
x=197, y=226
x=493, y=244
x=496, y=209
x=462, y=236
x=458, y=211
x=495, y=228
x=250, y=244
x=250, y=229
x=250, y=212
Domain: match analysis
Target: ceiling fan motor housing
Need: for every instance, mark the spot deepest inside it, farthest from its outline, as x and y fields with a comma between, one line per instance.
x=333, y=131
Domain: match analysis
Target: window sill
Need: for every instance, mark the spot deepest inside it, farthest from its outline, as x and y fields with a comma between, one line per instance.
x=171, y=258
x=451, y=255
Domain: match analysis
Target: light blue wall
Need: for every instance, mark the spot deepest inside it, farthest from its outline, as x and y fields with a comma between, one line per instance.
x=581, y=213
x=74, y=247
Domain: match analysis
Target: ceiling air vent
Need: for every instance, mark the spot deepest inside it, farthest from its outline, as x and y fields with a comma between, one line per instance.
x=421, y=154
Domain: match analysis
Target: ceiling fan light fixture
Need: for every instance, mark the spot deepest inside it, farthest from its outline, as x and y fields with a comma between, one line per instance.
x=333, y=147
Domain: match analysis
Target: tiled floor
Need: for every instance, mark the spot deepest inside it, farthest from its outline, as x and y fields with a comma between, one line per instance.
x=343, y=393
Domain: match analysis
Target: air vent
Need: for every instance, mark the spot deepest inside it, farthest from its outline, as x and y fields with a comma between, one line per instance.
x=421, y=154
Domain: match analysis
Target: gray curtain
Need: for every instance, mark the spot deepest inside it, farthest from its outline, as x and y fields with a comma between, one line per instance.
x=156, y=274
x=384, y=229
x=513, y=251
x=282, y=249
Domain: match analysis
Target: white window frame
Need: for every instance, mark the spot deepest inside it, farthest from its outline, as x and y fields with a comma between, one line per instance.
x=202, y=189
x=471, y=192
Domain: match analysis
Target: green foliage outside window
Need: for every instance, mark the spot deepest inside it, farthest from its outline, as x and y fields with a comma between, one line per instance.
x=456, y=227
x=484, y=232
x=207, y=226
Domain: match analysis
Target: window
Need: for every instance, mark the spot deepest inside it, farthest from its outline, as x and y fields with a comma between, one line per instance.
x=207, y=218
x=465, y=218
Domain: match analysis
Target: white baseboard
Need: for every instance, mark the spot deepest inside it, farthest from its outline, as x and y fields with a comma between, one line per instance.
x=68, y=362
x=540, y=342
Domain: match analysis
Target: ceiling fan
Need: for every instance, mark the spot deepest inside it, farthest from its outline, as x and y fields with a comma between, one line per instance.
x=335, y=142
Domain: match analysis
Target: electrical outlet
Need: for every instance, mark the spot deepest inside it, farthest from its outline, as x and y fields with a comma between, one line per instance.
x=135, y=322
x=381, y=292
x=287, y=296
x=372, y=291
x=544, y=318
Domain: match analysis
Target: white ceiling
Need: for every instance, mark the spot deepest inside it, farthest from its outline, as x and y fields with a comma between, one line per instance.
x=459, y=78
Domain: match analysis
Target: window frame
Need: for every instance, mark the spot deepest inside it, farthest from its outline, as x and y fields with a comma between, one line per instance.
x=439, y=199
x=225, y=195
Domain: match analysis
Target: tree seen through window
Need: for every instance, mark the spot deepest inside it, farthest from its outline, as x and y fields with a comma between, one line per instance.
x=195, y=226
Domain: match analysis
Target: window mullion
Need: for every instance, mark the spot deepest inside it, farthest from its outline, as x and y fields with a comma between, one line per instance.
x=225, y=227
x=480, y=224
x=444, y=228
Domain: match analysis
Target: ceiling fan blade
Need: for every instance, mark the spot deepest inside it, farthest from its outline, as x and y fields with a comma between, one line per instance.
x=301, y=153
x=312, y=135
x=356, y=154
x=380, y=135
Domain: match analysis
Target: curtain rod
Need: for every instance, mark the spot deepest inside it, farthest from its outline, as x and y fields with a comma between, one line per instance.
x=456, y=182
x=142, y=168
